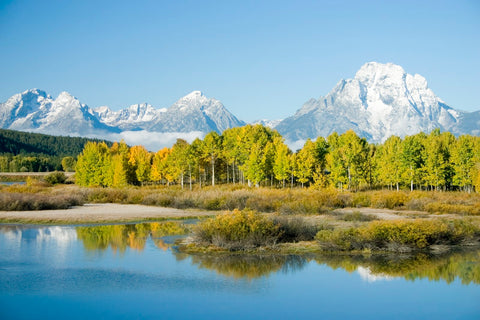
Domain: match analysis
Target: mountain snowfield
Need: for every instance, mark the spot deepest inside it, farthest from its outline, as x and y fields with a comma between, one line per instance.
x=380, y=101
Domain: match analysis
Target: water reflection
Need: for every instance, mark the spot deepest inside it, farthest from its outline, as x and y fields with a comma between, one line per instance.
x=133, y=236
x=62, y=236
x=464, y=266
x=247, y=266
x=447, y=267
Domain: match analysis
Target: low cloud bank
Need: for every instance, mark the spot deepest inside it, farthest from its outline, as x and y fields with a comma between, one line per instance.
x=154, y=141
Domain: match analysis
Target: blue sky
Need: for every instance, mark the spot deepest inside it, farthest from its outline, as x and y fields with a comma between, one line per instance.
x=262, y=59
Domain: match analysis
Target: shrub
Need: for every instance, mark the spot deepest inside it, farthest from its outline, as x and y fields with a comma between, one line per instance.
x=361, y=199
x=417, y=233
x=394, y=235
x=442, y=208
x=56, y=178
x=237, y=230
x=389, y=199
x=293, y=229
x=340, y=239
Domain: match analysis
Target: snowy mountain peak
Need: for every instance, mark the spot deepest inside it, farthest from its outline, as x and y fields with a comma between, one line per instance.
x=193, y=95
x=381, y=100
x=36, y=92
x=196, y=112
x=66, y=100
x=375, y=71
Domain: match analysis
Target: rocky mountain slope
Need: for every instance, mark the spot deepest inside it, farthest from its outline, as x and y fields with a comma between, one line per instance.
x=380, y=101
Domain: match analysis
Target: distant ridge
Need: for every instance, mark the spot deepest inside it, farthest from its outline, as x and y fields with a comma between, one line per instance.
x=17, y=142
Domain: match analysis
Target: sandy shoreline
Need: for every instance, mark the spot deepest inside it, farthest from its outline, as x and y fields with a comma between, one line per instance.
x=101, y=212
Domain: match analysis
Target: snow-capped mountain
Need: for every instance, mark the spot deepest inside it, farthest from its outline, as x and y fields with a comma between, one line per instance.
x=36, y=111
x=190, y=117
x=380, y=101
x=195, y=112
x=134, y=117
x=267, y=123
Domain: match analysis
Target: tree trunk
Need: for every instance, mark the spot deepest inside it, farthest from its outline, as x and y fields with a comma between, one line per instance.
x=190, y=175
x=213, y=172
x=349, y=178
x=199, y=177
x=227, y=173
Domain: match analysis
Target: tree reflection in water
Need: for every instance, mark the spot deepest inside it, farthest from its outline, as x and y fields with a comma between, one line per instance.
x=462, y=265
x=248, y=266
x=133, y=236
x=447, y=267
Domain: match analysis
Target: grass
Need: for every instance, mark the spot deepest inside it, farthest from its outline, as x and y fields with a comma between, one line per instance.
x=290, y=201
x=36, y=201
x=357, y=216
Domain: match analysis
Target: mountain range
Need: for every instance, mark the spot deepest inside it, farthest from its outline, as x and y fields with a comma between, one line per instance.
x=381, y=100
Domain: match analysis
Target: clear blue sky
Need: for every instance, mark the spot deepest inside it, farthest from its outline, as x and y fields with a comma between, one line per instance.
x=262, y=59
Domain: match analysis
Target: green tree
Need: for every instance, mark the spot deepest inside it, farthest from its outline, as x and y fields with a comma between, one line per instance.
x=179, y=159
x=212, y=150
x=463, y=160
x=412, y=159
x=306, y=161
x=281, y=165
x=437, y=167
x=390, y=162
x=92, y=165
x=68, y=164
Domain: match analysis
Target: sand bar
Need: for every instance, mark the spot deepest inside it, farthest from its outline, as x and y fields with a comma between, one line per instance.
x=99, y=213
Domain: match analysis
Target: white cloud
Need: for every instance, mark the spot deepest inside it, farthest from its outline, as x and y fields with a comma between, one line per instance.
x=295, y=145
x=154, y=141
x=367, y=275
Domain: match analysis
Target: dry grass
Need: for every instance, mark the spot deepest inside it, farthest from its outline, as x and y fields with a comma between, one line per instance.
x=283, y=201
x=35, y=201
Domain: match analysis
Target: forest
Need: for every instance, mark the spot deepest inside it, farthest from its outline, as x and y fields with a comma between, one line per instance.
x=258, y=156
x=34, y=152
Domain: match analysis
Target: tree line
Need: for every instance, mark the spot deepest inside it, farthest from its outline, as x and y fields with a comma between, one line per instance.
x=257, y=155
x=35, y=152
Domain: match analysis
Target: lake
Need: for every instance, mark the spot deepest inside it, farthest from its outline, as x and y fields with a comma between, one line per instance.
x=134, y=271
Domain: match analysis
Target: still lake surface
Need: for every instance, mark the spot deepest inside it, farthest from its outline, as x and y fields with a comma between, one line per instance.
x=133, y=271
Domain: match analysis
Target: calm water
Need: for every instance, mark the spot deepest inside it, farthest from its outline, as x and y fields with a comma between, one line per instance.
x=132, y=271
x=10, y=183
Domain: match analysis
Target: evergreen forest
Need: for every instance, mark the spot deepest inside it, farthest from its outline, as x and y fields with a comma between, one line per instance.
x=34, y=152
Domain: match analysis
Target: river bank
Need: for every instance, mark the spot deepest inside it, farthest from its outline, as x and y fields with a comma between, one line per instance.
x=100, y=213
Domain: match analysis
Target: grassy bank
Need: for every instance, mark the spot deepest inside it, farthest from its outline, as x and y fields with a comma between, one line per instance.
x=283, y=201
x=253, y=232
